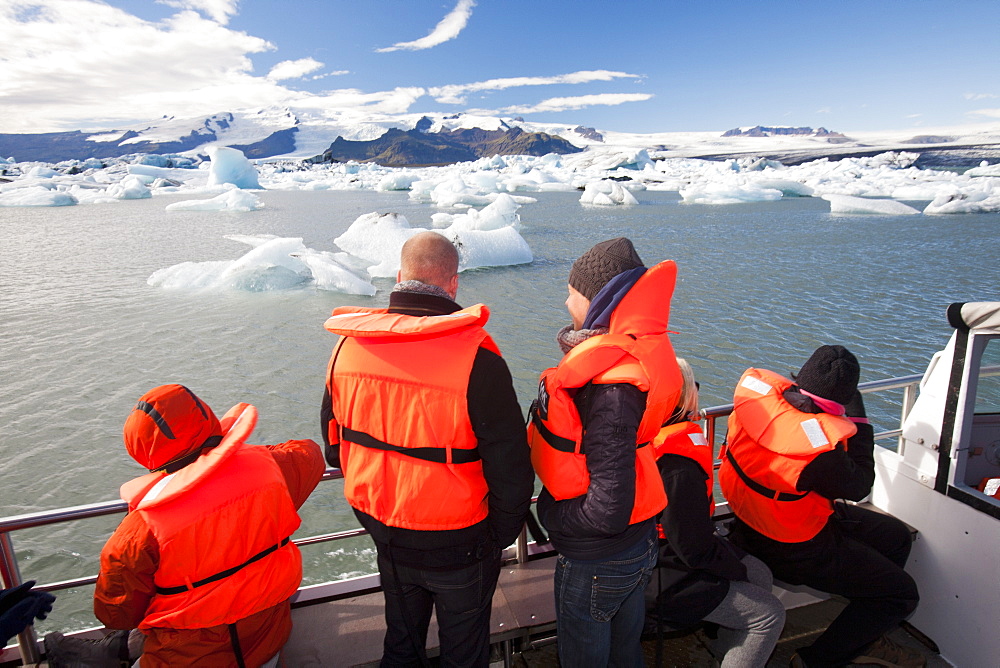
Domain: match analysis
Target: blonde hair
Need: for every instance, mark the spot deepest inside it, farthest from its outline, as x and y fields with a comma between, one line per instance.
x=687, y=403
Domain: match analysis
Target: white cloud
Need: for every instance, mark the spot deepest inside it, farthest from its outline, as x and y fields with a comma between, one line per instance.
x=455, y=94
x=218, y=10
x=68, y=60
x=986, y=113
x=293, y=69
x=913, y=116
x=578, y=102
x=824, y=110
x=448, y=29
x=980, y=96
x=396, y=101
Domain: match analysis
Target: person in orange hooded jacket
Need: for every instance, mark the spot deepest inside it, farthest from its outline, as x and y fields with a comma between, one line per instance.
x=203, y=564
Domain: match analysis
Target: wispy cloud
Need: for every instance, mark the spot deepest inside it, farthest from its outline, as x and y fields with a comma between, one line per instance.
x=980, y=96
x=293, y=69
x=219, y=11
x=448, y=29
x=824, y=110
x=456, y=93
x=578, y=102
x=985, y=113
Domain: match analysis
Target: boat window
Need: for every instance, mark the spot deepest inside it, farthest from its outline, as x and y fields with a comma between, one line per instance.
x=988, y=387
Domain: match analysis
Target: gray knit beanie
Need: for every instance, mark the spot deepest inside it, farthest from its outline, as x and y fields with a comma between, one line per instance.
x=831, y=372
x=600, y=264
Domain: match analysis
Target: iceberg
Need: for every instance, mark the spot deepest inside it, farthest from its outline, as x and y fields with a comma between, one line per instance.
x=606, y=193
x=484, y=238
x=274, y=263
x=971, y=202
x=377, y=238
x=232, y=200
x=984, y=169
x=37, y=196
x=712, y=192
x=130, y=187
x=229, y=165
x=848, y=204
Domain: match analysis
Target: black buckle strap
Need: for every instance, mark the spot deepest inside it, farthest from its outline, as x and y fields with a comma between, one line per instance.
x=166, y=591
x=759, y=488
x=438, y=455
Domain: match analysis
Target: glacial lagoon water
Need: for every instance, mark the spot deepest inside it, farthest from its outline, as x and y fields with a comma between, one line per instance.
x=83, y=335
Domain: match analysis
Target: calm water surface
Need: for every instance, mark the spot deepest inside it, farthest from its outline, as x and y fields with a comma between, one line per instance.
x=83, y=335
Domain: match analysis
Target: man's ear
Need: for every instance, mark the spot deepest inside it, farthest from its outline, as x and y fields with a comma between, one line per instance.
x=453, y=286
x=399, y=276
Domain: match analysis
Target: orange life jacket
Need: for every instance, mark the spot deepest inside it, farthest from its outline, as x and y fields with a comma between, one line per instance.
x=636, y=350
x=769, y=444
x=398, y=385
x=222, y=525
x=688, y=440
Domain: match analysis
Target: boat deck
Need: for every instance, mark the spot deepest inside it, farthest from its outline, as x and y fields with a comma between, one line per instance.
x=348, y=632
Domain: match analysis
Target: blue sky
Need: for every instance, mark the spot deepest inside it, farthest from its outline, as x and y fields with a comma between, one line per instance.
x=632, y=66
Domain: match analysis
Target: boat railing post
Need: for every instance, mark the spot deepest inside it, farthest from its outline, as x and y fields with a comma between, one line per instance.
x=11, y=576
x=521, y=546
x=909, y=398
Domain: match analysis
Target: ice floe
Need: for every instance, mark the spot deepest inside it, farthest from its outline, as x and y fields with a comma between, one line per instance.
x=274, y=263
x=231, y=200
x=864, y=205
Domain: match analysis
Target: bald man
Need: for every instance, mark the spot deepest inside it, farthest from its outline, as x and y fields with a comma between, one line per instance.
x=420, y=414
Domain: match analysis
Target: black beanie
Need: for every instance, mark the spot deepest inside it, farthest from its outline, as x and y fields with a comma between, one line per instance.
x=832, y=373
x=600, y=264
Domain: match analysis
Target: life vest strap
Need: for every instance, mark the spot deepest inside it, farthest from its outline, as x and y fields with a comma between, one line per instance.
x=759, y=488
x=166, y=591
x=438, y=455
x=555, y=441
x=560, y=443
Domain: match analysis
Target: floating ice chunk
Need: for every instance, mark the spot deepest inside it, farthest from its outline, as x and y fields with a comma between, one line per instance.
x=606, y=193
x=848, y=204
x=501, y=213
x=275, y=263
x=787, y=187
x=488, y=248
x=37, y=196
x=972, y=202
x=329, y=274
x=397, y=180
x=42, y=172
x=727, y=193
x=131, y=187
x=984, y=169
x=229, y=165
x=232, y=200
x=378, y=238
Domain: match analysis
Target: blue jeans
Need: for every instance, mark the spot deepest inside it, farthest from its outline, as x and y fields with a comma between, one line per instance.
x=600, y=607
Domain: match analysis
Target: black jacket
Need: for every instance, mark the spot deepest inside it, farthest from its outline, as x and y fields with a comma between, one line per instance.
x=499, y=427
x=696, y=565
x=596, y=525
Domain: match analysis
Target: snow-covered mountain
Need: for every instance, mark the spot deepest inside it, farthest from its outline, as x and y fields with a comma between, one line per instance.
x=285, y=133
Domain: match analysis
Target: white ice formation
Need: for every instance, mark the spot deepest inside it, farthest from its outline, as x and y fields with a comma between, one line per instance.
x=867, y=205
x=274, y=263
x=233, y=199
x=229, y=165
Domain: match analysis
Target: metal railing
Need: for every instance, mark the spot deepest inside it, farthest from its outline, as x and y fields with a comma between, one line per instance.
x=11, y=576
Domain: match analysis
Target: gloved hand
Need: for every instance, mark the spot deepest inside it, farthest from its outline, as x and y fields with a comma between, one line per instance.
x=33, y=604
x=8, y=597
x=855, y=408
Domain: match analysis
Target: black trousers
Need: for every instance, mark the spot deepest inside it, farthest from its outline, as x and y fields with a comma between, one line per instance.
x=462, y=598
x=859, y=555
